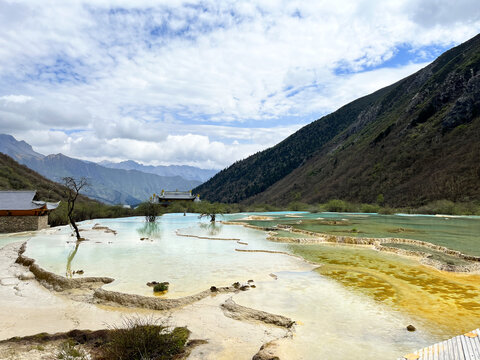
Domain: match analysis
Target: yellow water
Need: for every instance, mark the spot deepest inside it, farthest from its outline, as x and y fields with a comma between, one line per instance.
x=446, y=303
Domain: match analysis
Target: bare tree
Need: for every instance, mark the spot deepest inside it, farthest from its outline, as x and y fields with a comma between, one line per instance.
x=73, y=187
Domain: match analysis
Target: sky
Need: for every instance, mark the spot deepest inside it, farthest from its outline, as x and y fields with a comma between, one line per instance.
x=203, y=83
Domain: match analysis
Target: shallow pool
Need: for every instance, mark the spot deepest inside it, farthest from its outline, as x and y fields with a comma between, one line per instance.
x=190, y=264
x=357, y=296
x=460, y=233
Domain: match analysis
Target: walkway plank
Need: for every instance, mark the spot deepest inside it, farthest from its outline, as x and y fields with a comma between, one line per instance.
x=461, y=347
x=466, y=348
x=476, y=344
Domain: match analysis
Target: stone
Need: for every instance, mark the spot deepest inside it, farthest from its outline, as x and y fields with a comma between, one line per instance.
x=236, y=285
x=9, y=281
x=238, y=312
x=213, y=289
x=10, y=224
x=411, y=328
x=27, y=275
x=244, y=287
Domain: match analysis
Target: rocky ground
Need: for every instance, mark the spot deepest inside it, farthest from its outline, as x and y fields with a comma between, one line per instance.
x=28, y=308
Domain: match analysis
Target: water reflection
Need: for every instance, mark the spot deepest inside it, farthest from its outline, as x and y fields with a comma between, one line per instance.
x=150, y=230
x=70, y=258
x=212, y=228
x=357, y=294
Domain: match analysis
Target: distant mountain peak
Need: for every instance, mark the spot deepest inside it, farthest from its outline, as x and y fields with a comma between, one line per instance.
x=110, y=185
x=184, y=171
x=17, y=149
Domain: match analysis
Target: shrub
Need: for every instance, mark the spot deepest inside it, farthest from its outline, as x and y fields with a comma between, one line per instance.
x=387, y=211
x=141, y=339
x=368, y=208
x=438, y=207
x=448, y=207
x=150, y=209
x=336, y=205
x=86, y=211
x=68, y=351
x=297, y=206
x=177, y=207
x=160, y=287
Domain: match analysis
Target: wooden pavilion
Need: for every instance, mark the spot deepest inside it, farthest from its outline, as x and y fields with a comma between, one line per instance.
x=168, y=197
x=19, y=212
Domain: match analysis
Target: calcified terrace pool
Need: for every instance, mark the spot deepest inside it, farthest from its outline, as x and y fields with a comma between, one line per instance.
x=343, y=295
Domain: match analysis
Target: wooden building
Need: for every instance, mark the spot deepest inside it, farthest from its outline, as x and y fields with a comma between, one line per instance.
x=19, y=212
x=168, y=197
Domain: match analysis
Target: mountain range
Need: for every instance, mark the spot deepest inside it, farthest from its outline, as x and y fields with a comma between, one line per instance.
x=412, y=142
x=184, y=171
x=111, y=186
x=14, y=176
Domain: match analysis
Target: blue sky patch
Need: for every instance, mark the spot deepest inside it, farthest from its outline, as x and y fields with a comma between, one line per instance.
x=404, y=54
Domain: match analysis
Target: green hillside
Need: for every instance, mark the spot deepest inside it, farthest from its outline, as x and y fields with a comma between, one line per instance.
x=14, y=176
x=413, y=142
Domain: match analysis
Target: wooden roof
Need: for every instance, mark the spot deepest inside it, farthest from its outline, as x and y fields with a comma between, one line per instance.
x=176, y=195
x=12, y=200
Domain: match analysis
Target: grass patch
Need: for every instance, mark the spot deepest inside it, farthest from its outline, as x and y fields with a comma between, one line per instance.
x=69, y=351
x=141, y=339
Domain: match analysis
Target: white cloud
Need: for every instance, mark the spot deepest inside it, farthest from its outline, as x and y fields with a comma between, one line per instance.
x=155, y=81
x=16, y=98
x=434, y=12
x=20, y=111
x=188, y=148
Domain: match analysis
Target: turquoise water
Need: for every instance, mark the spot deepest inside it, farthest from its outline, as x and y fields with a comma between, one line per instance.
x=460, y=233
x=433, y=254
x=189, y=264
x=6, y=239
x=328, y=309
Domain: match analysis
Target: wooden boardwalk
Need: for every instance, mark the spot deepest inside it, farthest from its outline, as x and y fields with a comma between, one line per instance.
x=462, y=347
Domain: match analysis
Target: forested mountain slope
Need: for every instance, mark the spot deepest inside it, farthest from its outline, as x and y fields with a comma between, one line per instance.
x=14, y=176
x=256, y=173
x=414, y=141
